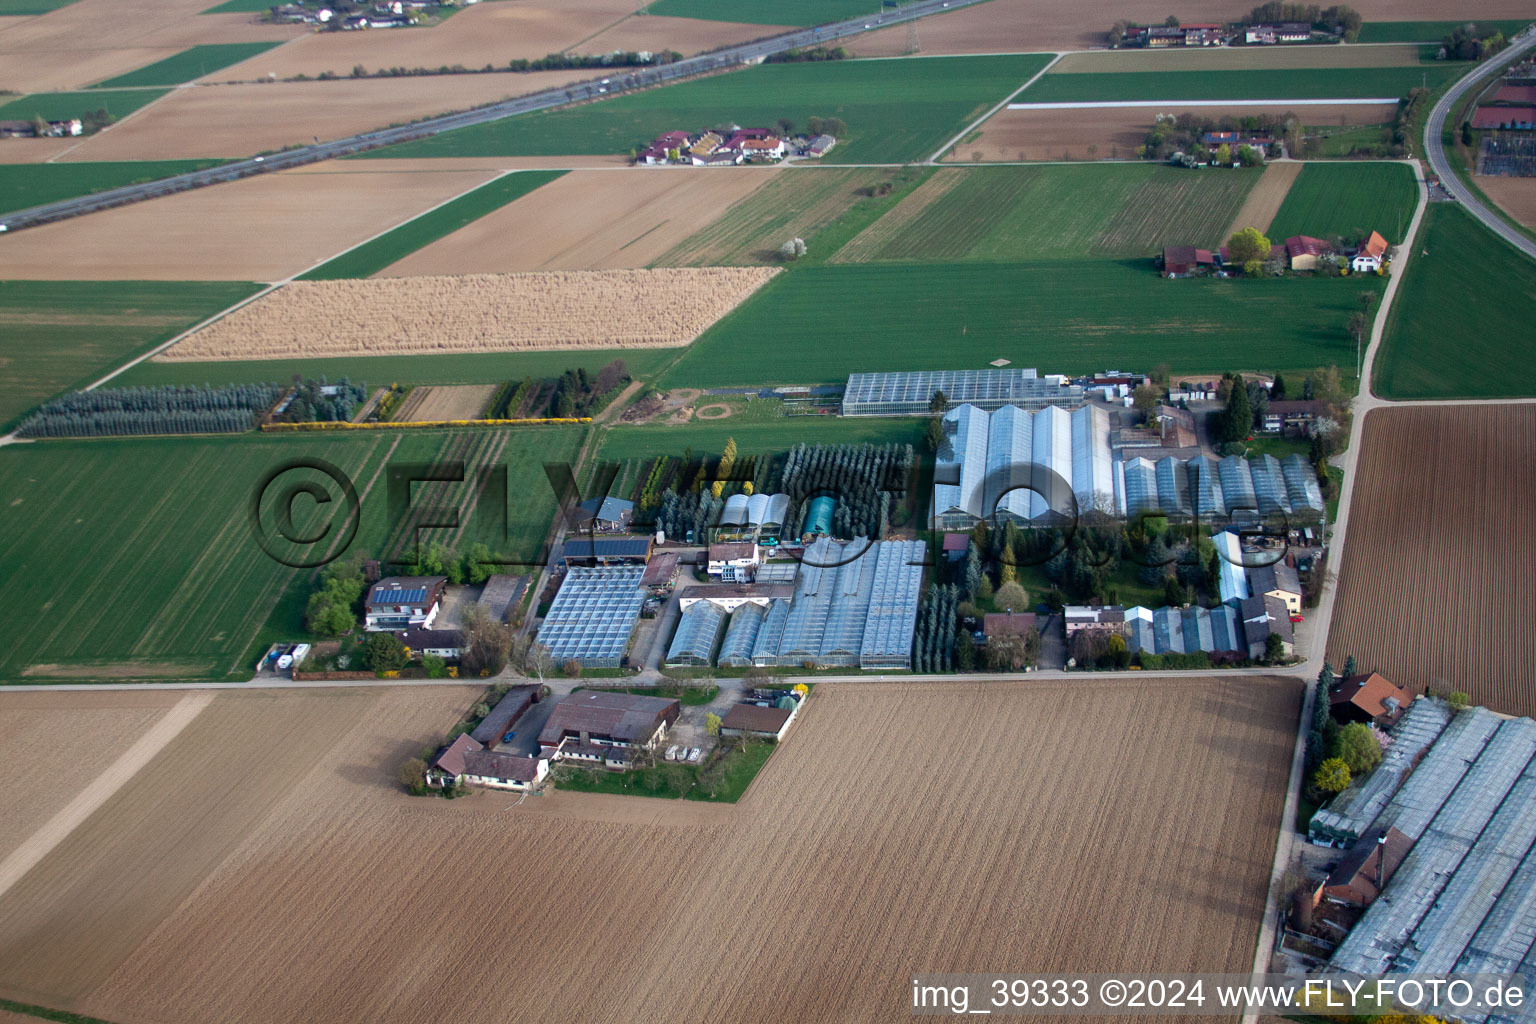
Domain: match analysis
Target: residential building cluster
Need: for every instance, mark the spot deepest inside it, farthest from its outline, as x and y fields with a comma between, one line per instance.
x=41, y=129
x=1297, y=253
x=350, y=17
x=1159, y=37
x=729, y=146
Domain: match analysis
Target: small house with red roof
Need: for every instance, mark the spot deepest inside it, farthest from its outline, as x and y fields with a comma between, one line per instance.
x=1368, y=698
x=1304, y=250
x=1371, y=255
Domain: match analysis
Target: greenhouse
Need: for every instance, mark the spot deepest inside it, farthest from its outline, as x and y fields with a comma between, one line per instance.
x=740, y=636
x=698, y=633
x=1186, y=631
x=911, y=392
x=1229, y=487
x=593, y=615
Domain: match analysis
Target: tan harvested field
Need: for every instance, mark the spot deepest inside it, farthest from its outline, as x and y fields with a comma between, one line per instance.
x=72, y=919
x=55, y=747
x=1048, y=803
x=471, y=163
x=1516, y=196
x=687, y=36
x=238, y=120
x=1241, y=58
x=1264, y=200
x=1117, y=131
x=594, y=220
x=868, y=242
x=1034, y=25
x=33, y=151
x=86, y=41
x=476, y=313
x=265, y=228
x=797, y=203
x=445, y=402
x=1437, y=564
x=487, y=33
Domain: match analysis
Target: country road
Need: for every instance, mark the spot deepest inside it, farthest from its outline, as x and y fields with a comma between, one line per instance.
x=618, y=81
x=1434, y=147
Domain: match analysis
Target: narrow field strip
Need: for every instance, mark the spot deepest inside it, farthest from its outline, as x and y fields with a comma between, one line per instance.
x=1105, y=104
x=42, y=842
x=1264, y=201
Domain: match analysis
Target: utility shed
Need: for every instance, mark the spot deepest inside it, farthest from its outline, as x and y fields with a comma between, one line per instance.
x=505, y=714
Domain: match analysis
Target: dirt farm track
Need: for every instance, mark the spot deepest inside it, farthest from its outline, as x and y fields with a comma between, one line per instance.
x=1153, y=818
x=1436, y=577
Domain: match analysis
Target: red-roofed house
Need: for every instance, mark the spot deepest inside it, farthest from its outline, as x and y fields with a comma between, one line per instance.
x=1365, y=870
x=1370, y=257
x=1523, y=118
x=1518, y=95
x=956, y=546
x=665, y=149
x=1368, y=698
x=1304, y=250
x=1178, y=260
x=1202, y=35
x=447, y=769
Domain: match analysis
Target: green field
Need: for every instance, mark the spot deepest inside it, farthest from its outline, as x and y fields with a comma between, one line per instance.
x=1461, y=324
x=24, y=185
x=764, y=12
x=1429, y=31
x=60, y=106
x=1056, y=212
x=55, y=335
x=192, y=63
x=136, y=559
x=896, y=110
x=1276, y=84
x=473, y=368
x=14, y=8
x=1067, y=316
x=1348, y=199
x=240, y=7
x=376, y=254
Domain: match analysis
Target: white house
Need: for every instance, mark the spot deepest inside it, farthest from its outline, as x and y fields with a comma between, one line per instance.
x=447, y=769
x=441, y=643
x=734, y=561
x=404, y=602
x=504, y=771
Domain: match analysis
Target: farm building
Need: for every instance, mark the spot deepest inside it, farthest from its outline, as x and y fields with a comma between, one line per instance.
x=733, y=595
x=1263, y=616
x=740, y=636
x=1102, y=618
x=1304, y=251
x=447, y=768
x=1461, y=898
x=598, y=726
x=734, y=561
x=1507, y=118
x=698, y=634
x=593, y=616
x=591, y=551
x=820, y=146
x=1293, y=416
x=854, y=604
x=1261, y=486
x=1371, y=255
x=757, y=721
x=1516, y=95
x=1184, y=260
x=956, y=546
x=604, y=515
x=660, y=574
x=404, y=602
x=1277, y=580
x=1023, y=466
x=666, y=148
x=1186, y=631
x=1368, y=698
x=1269, y=34
x=439, y=643
x=1364, y=872
x=505, y=714
x=500, y=595
x=818, y=516
x=1349, y=816
x=911, y=392
x=504, y=771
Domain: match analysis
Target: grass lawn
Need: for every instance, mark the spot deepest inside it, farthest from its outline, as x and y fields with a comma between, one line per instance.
x=60, y=106
x=1277, y=84
x=763, y=12
x=56, y=335
x=723, y=780
x=373, y=256
x=1331, y=142
x=1430, y=31
x=896, y=110
x=1064, y=316
x=191, y=63
x=1461, y=325
x=1051, y=212
x=24, y=185
x=1348, y=199
x=16, y=8
x=688, y=696
x=202, y=591
x=628, y=442
x=471, y=368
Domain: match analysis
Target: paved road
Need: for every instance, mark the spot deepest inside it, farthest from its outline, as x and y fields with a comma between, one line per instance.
x=618, y=81
x=1434, y=148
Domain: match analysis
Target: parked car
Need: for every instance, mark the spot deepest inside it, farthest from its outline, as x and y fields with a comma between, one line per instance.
x=695, y=754
x=1298, y=618
x=509, y=736
x=671, y=754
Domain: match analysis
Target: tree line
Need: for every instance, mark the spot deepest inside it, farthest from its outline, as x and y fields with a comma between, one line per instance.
x=164, y=409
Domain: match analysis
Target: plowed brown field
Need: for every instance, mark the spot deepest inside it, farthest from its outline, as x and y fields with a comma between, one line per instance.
x=1034, y=25
x=1264, y=199
x=1092, y=825
x=238, y=120
x=687, y=36
x=438, y=402
x=593, y=220
x=1436, y=580
x=265, y=228
x=477, y=313
x=1517, y=196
